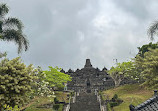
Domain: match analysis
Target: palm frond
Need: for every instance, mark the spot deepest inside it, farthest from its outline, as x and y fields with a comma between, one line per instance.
x=13, y=23
x=3, y=9
x=153, y=30
x=17, y=37
x=24, y=42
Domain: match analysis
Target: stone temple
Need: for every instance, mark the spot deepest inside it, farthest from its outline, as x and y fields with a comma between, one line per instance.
x=86, y=83
x=89, y=79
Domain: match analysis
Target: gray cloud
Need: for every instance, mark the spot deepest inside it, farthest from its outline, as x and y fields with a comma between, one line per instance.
x=65, y=33
x=139, y=9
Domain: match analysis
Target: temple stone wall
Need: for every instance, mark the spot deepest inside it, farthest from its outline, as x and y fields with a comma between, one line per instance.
x=91, y=79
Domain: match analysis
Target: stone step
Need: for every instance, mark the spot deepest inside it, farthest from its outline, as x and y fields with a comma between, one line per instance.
x=85, y=102
x=85, y=108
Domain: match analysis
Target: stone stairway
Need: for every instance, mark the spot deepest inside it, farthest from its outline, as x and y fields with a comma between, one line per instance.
x=85, y=102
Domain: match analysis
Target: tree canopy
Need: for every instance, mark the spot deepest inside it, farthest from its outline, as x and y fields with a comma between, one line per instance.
x=149, y=66
x=120, y=71
x=146, y=47
x=16, y=80
x=55, y=77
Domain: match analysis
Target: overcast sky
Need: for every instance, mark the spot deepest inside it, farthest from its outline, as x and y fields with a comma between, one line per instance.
x=65, y=33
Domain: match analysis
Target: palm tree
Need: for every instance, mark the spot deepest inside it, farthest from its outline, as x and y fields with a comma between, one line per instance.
x=11, y=29
x=153, y=30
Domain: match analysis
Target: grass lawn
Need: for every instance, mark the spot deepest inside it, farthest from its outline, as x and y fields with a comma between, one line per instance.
x=130, y=94
x=39, y=101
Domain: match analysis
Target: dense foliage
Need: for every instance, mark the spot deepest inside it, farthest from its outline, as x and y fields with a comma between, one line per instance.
x=149, y=66
x=55, y=77
x=143, y=68
x=43, y=88
x=16, y=81
x=120, y=71
x=146, y=48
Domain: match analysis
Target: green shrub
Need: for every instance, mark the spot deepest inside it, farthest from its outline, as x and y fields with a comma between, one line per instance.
x=115, y=101
x=115, y=96
x=56, y=100
x=56, y=106
x=112, y=104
